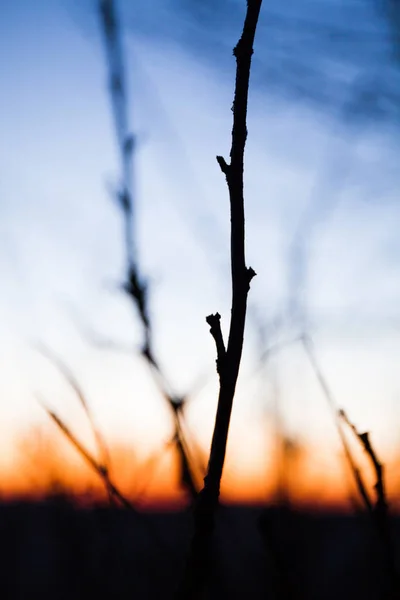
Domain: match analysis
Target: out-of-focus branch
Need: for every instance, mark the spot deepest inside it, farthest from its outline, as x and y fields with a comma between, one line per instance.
x=179, y=438
x=379, y=512
x=197, y=567
x=103, y=473
x=362, y=489
x=99, y=468
x=125, y=140
x=135, y=285
x=381, y=504
x=72, y=381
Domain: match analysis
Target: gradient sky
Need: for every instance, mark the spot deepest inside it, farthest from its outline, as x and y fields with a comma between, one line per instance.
x=61, y=250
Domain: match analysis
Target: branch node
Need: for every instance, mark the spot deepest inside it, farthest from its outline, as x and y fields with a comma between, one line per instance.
x=243, y=50
x=250, y=273
x=214, y=322
x=223, y=165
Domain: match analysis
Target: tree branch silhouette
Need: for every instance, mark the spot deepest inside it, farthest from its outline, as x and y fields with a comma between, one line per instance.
x=379, y=510
x=135, y=285
x=357, y=474
x=197, y=566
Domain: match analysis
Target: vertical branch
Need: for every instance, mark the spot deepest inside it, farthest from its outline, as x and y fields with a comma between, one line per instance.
x=119, y=101
x=135, y=284
x=228, y=362
x=241, y=275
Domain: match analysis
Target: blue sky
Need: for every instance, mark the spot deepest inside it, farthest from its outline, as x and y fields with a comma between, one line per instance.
x=60, y=242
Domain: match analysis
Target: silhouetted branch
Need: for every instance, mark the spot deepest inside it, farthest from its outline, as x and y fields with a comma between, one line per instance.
x=176, y=403
x=377, y=511
x=118, y=93
x=308, y=347
x=100, y=469
x=64, y=370
x=214, y=322
x=135, y=285
x=197, y=567
x=103, y=473
x=381, y=505
x=380, y=512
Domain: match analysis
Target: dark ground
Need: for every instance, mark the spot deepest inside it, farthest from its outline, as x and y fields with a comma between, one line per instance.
x=53, y=550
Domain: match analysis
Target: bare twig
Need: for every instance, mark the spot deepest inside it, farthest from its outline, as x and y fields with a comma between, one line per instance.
x=362, y=489
x=103, y=473
x=65, y=371
x=126, y=142
x=381, y=505
x=380, y=512
x=135, y=285
x=214, y=322
x=99, y=468
x=197, y=567
x=180, y=437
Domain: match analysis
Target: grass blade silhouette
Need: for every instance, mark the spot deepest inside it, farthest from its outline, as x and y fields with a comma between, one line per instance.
x=380, y=511
x=72, y=381
x=100, y=470
x=359, y=480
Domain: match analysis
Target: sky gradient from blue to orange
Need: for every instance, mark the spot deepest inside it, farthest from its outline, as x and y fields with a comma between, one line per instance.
x=60, y=244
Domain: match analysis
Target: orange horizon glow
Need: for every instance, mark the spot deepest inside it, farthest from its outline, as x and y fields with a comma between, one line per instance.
x=48, y=463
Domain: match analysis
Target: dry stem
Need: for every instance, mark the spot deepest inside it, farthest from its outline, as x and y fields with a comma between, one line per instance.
x=228, y=362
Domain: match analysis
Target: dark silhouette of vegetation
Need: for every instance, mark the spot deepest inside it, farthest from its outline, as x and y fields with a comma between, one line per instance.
x=378, y=510
x=228, y=360
x=283, y=569
x=135, y=285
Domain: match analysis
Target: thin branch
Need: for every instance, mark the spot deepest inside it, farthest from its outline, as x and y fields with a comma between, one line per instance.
x=118, y=93
x=65, y=371
x=103, y=473
x=362, y=488
x=241, y=275
x=197, y=567
x=381, y=505
x=380, y=512
x=174, y=402
x=135, y=285
x=100, y=469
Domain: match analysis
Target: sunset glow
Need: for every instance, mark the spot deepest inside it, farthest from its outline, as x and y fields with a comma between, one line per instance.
x=62, y=264
x=46, y=463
